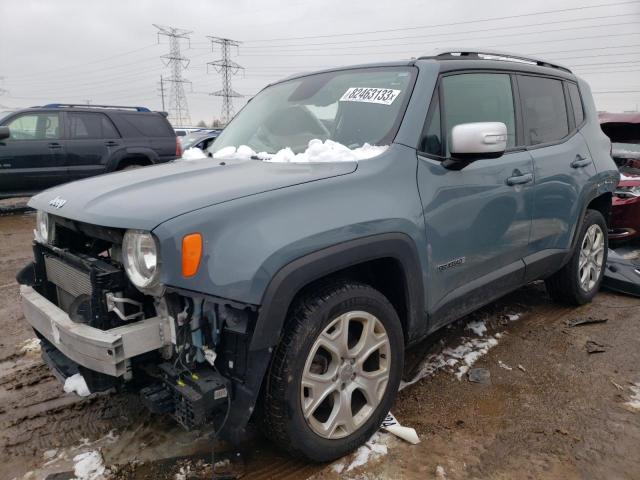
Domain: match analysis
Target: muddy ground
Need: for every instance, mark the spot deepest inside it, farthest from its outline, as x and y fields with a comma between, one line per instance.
x=551, y=409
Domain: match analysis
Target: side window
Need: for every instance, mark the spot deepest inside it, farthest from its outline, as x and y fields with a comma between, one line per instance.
x=150, y=124
x=576, y=103
x=479, y=97
x=35, y=126
x=544, y=109
x=431, y=135
x=90, y=126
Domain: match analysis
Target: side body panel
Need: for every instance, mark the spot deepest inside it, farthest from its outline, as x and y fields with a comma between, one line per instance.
x=477, y=228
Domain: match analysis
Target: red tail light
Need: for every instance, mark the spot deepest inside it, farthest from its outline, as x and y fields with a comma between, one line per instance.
x=178, y=148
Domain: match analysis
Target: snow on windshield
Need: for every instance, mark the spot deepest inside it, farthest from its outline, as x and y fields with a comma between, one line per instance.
x=317, y=151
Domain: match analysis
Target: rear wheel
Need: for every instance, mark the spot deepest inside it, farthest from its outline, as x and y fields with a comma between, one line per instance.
x=579, y=281
x=335, y=373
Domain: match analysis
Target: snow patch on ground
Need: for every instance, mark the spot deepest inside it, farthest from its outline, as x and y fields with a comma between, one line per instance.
x=193, y=153
x=478, y=327
x=440, y=473
x=455, y=360
x=376, y=447
x=30, y=346
x=634, y=401
x=88, y=466
x=513, y=317
x=317, y=151
x=501, y=364
x=76, y=383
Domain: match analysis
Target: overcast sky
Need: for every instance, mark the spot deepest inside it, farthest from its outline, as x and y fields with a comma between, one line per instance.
x=107, y=51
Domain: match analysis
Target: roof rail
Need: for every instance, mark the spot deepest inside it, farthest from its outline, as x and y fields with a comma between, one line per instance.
x=84, y=105
x=458, y=53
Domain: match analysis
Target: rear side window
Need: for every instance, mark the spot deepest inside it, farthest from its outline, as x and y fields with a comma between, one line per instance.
x=90, y=126
x=149, y=125
x=576, y=103
x=479, y=97
x=544, y=109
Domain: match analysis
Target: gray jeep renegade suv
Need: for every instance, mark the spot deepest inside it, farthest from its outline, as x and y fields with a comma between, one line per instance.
x=344, y=216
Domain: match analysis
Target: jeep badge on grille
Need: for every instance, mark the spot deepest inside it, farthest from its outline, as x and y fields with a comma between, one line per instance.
x=57, y=202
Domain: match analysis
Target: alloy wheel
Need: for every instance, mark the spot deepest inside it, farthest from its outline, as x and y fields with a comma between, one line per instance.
x=591, y=258
x=345, y=375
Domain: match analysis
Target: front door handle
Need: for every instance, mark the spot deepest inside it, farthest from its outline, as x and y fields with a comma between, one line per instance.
x=580, y=162
x=54, y=145
x=520, y=179
x=111, y=143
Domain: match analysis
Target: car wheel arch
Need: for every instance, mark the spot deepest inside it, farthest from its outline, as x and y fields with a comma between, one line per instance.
x=357, y=260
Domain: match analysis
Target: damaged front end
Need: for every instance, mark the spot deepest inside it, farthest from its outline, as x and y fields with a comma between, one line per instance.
x=185, y=352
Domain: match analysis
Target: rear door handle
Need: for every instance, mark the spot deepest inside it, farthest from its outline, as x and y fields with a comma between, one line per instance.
x=580, y=162
x=54, y=145
x=520, y=179
x=111, y=143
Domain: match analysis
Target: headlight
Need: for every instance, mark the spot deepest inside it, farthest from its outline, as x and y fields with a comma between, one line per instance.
x=628, y=192
x=140, y=258
x=44, y=227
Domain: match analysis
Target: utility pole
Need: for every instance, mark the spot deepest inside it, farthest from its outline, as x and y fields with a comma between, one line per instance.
x=228, y=68
x=178, y=107
x=162, y=92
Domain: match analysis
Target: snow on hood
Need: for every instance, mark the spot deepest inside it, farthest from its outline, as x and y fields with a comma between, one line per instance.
x=193, y=153
x=317, y=151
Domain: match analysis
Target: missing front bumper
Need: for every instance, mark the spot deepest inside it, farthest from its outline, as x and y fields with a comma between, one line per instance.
x=104, y=351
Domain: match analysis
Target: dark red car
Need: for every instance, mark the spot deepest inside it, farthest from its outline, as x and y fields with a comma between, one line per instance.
x=624, y=131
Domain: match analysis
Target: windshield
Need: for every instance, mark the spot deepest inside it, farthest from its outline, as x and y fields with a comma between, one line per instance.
x=350, y=107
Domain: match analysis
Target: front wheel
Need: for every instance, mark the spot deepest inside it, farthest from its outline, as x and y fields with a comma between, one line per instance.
x=335, y=373
x=579, y=281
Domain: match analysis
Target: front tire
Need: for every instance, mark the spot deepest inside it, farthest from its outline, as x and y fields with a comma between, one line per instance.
x=579, y=280
x=335, y=373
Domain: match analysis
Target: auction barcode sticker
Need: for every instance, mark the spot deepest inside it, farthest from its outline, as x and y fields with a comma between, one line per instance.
x=385, y=96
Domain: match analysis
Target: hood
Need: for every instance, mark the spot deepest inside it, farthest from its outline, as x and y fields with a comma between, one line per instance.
x=145, y=197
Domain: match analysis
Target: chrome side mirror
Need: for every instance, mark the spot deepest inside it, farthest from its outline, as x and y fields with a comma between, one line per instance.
x=475, y=141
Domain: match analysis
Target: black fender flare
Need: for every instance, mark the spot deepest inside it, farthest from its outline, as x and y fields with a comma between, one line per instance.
x=291, y=278
x=121, y=154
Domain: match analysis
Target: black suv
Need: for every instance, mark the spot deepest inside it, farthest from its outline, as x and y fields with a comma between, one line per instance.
x=58, y=143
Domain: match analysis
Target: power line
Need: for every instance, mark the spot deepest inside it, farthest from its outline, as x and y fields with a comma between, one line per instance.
x=431, y=35
x=228, y=68
x=613, y=35
x=508, y=17
x=178, y=107
x=68, y=67
x=518, y=34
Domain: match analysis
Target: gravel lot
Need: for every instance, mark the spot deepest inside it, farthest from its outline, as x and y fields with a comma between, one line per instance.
x=551, y=409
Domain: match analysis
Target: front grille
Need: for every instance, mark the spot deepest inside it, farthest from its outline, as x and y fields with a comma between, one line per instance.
x=70, y=279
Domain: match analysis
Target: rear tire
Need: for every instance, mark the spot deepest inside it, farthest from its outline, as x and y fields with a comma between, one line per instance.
x=326, y=393
x=579, y=280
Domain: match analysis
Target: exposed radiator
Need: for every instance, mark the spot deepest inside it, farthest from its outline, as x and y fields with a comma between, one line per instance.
x=70, y=279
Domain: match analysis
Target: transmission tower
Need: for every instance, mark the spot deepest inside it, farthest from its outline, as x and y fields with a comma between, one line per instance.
x=178, y=107
x=228, y=68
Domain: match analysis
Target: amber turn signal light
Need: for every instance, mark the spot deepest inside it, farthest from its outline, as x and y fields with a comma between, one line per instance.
x=191, y=254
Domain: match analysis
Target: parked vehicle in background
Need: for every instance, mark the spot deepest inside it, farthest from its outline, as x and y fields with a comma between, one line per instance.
x=202, y=140
x=347, y=214
x=182, y=131
x=58, y=143
x=623, y=129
